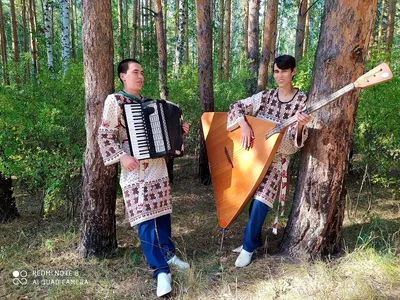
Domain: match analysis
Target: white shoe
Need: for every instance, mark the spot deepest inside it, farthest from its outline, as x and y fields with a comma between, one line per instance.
x=243, y=259
x=163, y=284
x=175, y=261
x=238, y=249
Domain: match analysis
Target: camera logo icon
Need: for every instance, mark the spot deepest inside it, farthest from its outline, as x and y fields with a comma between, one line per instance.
x=20, y=277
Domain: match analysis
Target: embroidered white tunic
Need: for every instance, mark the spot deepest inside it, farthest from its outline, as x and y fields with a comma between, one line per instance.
x=266, y=105
x=146, y=190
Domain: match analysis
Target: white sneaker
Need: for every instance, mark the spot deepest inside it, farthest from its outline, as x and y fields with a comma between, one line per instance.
x=243, y=259
x=163, y=284
x=238, y=249
x=175, y=261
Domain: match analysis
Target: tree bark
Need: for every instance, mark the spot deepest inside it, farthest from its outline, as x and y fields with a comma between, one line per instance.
x=65, y=34
x=227, y=56
x=31, y=11
x=221, y=39
x=180, y=39
x=253, y=34
x=315, y=223
x=98, y=227
x=162, y=50
x=3, y=45
x=268, y=43
x=120, y=32
x=48, y=7
x=72, y=13
x=204, y=46
x=134, y=25
x=8, y=208
x=246, y=29
x=306, y=29
x=380, y=28
x=390, y=25
x=301, y=23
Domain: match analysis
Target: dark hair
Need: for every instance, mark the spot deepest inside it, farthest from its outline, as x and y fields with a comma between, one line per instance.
x=284, y=62
x=123, y=66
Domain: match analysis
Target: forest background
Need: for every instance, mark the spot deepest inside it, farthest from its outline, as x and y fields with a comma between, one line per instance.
x=42, y=141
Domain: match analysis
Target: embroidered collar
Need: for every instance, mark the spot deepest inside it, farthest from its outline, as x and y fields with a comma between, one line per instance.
x=136, y=99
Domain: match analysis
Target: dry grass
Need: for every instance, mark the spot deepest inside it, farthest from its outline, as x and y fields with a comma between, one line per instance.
x=369, y=270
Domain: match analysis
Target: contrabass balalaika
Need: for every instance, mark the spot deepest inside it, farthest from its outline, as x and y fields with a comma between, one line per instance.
x=154, y=129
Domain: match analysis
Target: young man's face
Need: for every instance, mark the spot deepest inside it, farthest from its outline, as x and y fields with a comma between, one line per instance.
x=283, y=77
x=133, y=78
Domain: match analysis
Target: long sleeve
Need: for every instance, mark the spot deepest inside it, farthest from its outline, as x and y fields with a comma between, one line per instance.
x=239, y=109
x=289, y=144
x=107, y=138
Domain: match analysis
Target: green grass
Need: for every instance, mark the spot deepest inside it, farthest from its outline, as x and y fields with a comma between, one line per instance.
x=369, y=269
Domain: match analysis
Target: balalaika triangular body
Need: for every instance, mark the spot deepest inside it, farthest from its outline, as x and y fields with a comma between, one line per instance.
x=236, y=172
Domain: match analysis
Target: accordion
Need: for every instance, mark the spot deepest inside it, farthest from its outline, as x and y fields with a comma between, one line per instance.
x=154, y=129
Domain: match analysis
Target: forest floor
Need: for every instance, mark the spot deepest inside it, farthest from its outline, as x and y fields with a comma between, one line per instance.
x=38, y=257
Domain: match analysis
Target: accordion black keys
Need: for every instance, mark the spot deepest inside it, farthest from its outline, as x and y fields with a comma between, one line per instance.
x=154, y=129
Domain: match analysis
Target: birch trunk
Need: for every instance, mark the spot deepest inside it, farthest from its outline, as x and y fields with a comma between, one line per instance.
x=65, y=34
x=47, y=33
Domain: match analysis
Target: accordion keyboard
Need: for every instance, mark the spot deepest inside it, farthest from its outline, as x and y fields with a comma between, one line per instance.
x=137, y=132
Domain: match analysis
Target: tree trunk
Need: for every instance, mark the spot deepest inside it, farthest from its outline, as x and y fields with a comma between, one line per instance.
x=25, y=37
x=134, y=29
x=268, y=44
x=227, y=56
x=221, y=39
x=306, y=29
x=65, y=35
x=179, y=50
x=120, y=32
x=47, y=33
x=72, y=31
x=186, y=32
x=98, y=226
x=126, y=41
x=162, y=50
x=14, y=36
x=14, y=32
x=246, y=29
x=35, y=65
x=3, y=44
x=204, y=46
x=315, y=223
x=8, y=209
x=253, y=34
x=380, y=28
x=390, y=25
x=301, y=24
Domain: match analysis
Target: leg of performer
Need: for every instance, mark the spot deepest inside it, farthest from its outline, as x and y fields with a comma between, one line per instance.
x=167, y=246
x=151, y=247
x=252, y=232
x=163, y=224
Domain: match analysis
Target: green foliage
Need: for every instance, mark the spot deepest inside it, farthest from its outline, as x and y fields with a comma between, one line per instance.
x=377, y=133
x=42, y=132
x=379, y=235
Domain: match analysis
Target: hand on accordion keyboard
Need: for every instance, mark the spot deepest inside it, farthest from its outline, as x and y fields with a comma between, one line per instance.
x=129, y=163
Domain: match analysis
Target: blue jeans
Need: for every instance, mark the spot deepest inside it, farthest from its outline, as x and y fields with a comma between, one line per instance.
x=155, y=238
x=252, y=233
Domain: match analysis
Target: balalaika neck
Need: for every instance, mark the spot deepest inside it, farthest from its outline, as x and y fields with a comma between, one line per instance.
x=278, y=128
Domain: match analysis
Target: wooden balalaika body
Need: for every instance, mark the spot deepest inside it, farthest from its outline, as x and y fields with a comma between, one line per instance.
x=236, y=172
